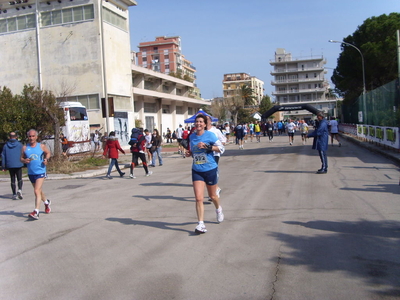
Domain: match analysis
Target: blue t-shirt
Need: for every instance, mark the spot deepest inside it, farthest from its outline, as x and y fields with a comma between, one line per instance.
x=36, y=155
x=203, y=160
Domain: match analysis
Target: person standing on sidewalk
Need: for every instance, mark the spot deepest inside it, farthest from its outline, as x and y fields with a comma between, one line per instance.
x=36, y=156
x=204, y=169
x=321, y=140
x=157, y=146
x=11, y=161
x=111, y=151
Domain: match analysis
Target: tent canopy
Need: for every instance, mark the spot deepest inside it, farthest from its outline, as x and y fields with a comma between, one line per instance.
x=193, y=118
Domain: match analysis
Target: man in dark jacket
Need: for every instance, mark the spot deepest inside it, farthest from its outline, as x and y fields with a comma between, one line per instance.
x=321, y=137
x=10, y=160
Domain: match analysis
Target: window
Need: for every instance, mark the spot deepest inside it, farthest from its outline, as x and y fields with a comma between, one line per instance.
x=17, y=23
x=89, y=101
x=78, y=13
x=57, y=17
x=144, y=59
x=114, y=19
x=165, y=109
x=190, y=110
x=179, y=110
x=150, y=107
x=66, y=15
x=77, y=114
x=315, y=75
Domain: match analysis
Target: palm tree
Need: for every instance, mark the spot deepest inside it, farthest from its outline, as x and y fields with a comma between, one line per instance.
x=247, y=95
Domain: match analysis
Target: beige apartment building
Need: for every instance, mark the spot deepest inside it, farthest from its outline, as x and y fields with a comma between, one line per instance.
x=80, y=50
x=300, y=80
x=232, y=82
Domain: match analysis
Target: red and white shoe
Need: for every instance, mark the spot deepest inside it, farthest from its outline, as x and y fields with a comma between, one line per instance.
x=34, y=215
x=47, y=209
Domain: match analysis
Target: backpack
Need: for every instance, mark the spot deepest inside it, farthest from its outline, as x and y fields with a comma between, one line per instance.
x=136, y=138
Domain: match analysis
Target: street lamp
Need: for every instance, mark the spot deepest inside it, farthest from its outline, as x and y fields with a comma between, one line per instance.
x=363, y=70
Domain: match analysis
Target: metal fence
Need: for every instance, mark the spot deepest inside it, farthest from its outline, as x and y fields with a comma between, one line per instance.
x=380, y=107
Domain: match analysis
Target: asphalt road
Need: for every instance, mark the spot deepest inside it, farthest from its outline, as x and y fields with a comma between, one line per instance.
x=288, y=232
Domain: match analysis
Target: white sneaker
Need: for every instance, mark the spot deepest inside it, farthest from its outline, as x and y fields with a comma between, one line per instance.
x=14, y=197
x=132, y=176
x=218, y=192
x=200, y=228
x=19, y=194
x=220, y=214
x=148, y=174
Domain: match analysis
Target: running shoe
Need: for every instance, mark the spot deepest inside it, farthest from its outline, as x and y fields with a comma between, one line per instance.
x=220, y=214
x=108, y=176
x=148, y=174
x=14, y=197
x=19, y=194
x=132, y=176
x=34, y=215
x=218, y=191
x=47, y=209
x=340, y=144
x=200, y=228
x=209, y=199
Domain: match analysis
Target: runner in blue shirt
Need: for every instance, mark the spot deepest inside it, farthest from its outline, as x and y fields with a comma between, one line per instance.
x=204, y=169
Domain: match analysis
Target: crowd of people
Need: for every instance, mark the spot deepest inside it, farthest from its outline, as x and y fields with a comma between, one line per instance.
x=203, y=142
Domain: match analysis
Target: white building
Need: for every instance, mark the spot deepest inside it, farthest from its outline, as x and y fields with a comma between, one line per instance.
x=80, y=50
x=300, y=80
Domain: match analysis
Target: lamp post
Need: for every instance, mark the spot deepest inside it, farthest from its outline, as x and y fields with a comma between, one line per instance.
x=363, y=70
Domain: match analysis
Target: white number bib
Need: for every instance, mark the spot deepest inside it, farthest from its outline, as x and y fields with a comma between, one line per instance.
x=200, y=159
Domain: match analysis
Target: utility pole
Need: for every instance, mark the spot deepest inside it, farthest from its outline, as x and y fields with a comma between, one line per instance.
x=398, y=52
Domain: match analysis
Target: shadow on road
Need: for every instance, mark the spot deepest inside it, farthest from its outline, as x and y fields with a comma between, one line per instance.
x=164, y=197
x=155, y=224
x=366, y=249
x=166, y=184
x=383, y=188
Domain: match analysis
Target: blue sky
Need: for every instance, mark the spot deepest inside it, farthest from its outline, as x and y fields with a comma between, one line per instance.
x=223, y=36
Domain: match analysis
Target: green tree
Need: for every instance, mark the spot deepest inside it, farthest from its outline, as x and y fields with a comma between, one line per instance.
x=376, y=39
x=247, y=95
x=265, y=104
x=35, y=109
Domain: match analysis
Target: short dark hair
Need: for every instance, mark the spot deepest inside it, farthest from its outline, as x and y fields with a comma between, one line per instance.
x=203, y=117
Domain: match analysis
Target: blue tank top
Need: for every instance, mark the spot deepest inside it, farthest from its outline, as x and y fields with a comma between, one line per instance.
x=36, y=155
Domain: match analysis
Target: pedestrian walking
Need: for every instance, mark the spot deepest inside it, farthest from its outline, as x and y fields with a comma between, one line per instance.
x=138, y=143
x=111, y=151
x=36, y=156
x=11, y=161
x=334, y=130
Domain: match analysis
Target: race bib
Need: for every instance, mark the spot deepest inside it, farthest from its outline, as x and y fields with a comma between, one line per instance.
x=200, y=159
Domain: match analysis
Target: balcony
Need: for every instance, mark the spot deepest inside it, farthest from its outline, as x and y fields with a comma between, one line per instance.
x=299, y=91
x=297, y=80
x=296, y=70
